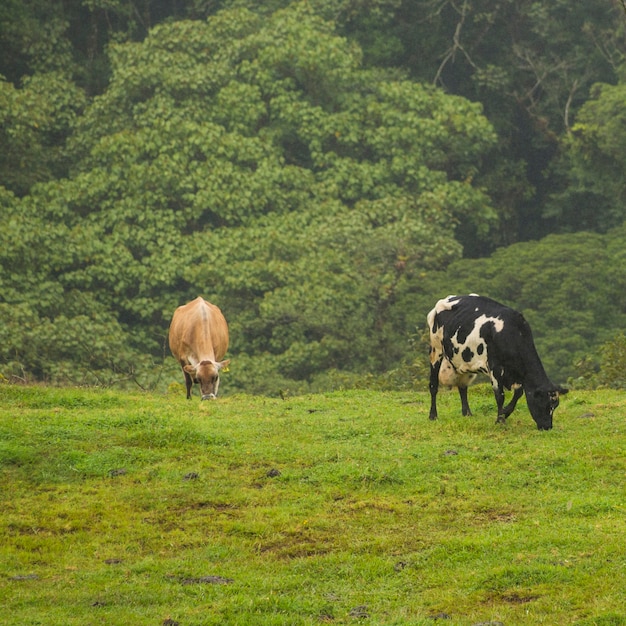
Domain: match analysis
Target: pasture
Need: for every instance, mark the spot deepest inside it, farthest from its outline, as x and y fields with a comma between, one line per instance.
x=342, y=508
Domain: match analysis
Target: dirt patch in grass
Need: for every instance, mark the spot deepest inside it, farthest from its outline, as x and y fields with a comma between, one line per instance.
x=497, y=515
x=207, y=580
x=513, y=597
x=294, y=548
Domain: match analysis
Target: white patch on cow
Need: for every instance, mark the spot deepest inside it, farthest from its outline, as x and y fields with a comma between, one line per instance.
x=457, y=371
x=478, y=362
x=447, y=374
x=449, y=302
x=494, y=382
x=445, y=304
x=449, y=377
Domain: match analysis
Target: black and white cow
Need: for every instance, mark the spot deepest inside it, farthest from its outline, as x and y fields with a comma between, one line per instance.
x=473, y=334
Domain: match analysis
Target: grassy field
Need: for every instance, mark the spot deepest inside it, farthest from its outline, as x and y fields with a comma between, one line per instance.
x=345, y=508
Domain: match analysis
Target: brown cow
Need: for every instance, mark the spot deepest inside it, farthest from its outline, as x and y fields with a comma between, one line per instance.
x=198, y=340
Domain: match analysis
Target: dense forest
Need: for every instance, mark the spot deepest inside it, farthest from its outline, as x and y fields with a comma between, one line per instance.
x=322, y=170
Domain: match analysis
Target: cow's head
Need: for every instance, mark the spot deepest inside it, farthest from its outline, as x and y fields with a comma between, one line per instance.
x=207, y=375
x=542, y=403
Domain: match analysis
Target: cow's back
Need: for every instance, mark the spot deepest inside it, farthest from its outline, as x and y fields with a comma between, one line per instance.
x=198, y=331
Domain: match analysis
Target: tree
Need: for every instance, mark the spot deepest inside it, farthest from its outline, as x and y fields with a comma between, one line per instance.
x=592, y=165
x=71, y=37
x=254, y=161
x=613, y=365
x=532, y=65
x=35, y=121
x=33, y=39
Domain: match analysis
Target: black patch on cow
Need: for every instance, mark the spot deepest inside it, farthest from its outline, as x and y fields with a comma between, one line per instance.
x=467, y=355
x=480, y=349
x=487, y=330
x=463, y=332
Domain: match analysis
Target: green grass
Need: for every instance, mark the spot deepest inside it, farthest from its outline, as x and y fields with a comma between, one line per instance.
x=345, y=508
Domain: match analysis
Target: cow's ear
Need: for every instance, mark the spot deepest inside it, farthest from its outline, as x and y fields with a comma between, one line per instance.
x=562, y=390
x=223, y=365
x=189, y=369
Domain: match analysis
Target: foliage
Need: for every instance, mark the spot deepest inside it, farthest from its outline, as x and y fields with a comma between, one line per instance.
x=39, y=37
x=33, y=37
x=147, y=509
x=613, y=366
x=276, y=159
x=570, y=288
x=34, y=124
x=256, y=163
x=532, y=65
x=593, y=164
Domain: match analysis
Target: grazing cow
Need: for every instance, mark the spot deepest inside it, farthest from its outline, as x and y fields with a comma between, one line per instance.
x=198, y=340
x=471, y=335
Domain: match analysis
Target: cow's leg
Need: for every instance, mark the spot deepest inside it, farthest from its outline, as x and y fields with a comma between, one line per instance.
x=434, y=388
x=498, y=392
x=510, y=407
x=465, y=408
x=188, y=383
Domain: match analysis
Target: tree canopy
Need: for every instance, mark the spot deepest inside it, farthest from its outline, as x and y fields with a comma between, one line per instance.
x=320, y=170
x=255, y=162
x=593, y=165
